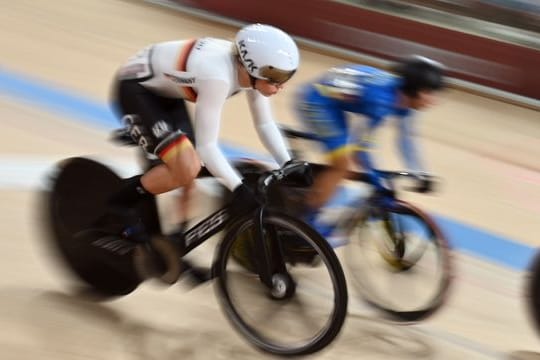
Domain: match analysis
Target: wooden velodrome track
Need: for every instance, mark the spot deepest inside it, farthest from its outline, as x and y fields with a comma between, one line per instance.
x=486, y=151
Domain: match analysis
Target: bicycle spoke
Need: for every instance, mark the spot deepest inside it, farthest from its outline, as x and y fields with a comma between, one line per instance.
x=298, y=323
x=410, y=284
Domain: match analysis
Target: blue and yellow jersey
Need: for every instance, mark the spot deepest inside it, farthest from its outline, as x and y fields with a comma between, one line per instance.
x=361, y=89
x=358, y=89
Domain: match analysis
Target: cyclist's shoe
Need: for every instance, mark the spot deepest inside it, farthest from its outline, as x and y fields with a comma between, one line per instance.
x=148, y=264
x=160, y=258
x=124, y=222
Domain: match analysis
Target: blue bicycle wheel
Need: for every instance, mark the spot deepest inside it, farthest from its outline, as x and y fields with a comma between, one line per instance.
x=400, y=262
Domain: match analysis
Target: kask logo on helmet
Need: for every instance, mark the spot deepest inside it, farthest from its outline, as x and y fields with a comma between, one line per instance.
x=248, y=62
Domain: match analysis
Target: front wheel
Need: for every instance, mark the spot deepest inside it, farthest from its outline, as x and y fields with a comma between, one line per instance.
x=399, y=261
x=302, y=306
x=532, y=295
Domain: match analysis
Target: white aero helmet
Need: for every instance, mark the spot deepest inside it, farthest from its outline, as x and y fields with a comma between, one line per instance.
x=267, y=52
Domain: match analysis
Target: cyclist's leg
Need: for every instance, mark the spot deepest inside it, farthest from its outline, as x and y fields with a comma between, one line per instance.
x=121, y=215
x=322, y=117
x=156, y=124
x=364, y=155
x=327, y=181
x=181, y=121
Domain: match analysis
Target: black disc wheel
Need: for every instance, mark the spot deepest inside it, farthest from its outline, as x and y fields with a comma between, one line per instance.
x=75, y=198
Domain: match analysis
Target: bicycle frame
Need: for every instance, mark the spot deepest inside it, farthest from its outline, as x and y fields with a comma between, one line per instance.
x=374, y=200
x=206, y=228
x=381, y=209
x=251, y=262
x=218, y=220
x=269, y=258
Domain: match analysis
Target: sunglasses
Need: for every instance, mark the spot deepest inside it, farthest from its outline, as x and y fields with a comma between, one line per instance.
x=276, y=76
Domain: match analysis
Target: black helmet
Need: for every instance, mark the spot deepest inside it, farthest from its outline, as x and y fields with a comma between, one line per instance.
x=419, y=73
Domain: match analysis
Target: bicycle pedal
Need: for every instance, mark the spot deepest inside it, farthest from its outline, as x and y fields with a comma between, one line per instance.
x=159, y=259
x=145, y=263
x=171, y=257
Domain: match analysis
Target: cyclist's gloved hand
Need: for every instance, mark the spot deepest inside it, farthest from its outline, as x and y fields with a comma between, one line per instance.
x=243, y=199
x=426, y=183
x=302, y=176
x=380, y=184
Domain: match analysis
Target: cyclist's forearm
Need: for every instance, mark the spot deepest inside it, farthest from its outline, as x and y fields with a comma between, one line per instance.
x=273, y=141
x=407, y=144
x=219, y=166
x=266, y=127
x=409, y=152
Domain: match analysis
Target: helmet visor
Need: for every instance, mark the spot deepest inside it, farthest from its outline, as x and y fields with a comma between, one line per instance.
x=274, y=75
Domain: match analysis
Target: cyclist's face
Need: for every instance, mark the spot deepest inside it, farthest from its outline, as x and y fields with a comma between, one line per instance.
x=425, y=99
x=268, y=88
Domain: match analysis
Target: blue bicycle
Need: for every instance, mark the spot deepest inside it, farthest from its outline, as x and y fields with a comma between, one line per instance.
x=397, y=257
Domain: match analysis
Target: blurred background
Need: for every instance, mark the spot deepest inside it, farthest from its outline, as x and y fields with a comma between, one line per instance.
x=56, y=66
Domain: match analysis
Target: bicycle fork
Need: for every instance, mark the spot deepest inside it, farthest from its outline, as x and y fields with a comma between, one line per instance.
x=270, y=260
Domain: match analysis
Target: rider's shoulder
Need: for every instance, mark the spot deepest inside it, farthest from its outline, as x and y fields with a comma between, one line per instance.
x=358, y=81
x=358, y=76
x=359, y=72
x=206, y=44
x=213, y=43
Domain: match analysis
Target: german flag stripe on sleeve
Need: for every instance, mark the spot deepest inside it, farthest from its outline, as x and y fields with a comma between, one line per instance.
x=190, y=94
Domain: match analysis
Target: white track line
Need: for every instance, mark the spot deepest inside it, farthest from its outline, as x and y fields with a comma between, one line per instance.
x=29, y=172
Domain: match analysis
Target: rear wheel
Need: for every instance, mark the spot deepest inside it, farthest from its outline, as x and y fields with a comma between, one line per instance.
x=400, y=262
x=302, y=309
x=76, y=197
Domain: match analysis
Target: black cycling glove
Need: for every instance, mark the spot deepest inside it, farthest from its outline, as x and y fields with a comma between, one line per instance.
x=426, y=183
x=243, y=199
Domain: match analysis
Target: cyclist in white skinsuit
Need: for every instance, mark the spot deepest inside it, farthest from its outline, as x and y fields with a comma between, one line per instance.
x=151, y=90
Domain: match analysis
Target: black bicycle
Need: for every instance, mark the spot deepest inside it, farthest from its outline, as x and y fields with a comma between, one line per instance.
x=397, y=256
x=532, y=292
x=280, y=307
